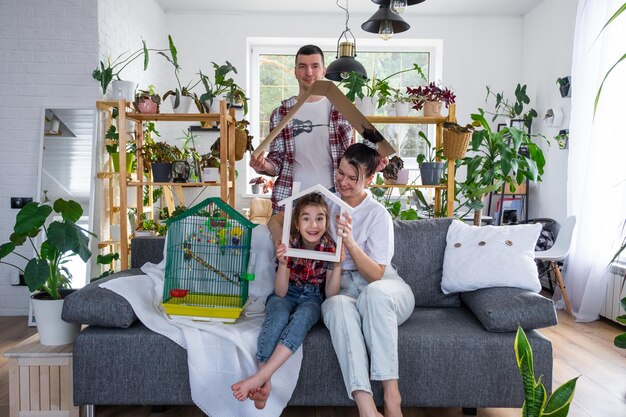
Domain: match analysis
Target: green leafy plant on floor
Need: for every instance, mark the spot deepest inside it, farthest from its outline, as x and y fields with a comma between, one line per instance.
x=512, y=109
x=60, y=239
x=536, y=402
x=620, y=340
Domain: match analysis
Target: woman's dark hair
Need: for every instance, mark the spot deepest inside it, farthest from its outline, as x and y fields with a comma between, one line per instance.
x=311, y=199
x=362, y=158
x=310, y=50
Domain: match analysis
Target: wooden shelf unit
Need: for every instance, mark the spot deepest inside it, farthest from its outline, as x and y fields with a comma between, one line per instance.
x=226, y=184
x=449, y=186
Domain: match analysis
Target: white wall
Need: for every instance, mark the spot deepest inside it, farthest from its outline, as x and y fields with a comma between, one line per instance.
x=547, y=55
x=47, y=54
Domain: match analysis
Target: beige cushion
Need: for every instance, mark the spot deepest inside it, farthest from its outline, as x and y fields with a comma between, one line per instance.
x=260, y=210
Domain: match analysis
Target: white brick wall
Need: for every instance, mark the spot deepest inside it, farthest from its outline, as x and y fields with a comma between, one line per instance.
x=47, y=53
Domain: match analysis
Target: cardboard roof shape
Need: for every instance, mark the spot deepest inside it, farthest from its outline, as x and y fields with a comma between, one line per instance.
x=329, y=90
x=306, y=253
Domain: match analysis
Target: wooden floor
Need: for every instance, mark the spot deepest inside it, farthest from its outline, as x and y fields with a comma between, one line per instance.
x=584, y=349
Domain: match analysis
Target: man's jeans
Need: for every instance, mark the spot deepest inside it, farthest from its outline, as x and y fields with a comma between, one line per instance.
x=288, y=319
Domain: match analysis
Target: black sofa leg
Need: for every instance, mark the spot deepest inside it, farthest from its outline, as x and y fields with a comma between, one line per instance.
x=157, y=409
x=469, y=411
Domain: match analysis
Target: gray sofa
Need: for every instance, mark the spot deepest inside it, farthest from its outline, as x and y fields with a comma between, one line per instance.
x=456, y=350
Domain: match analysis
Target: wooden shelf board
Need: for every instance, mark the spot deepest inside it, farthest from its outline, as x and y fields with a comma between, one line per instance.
x=175, y=117
x=441, y=186
x=407, y=119
x=180, y=184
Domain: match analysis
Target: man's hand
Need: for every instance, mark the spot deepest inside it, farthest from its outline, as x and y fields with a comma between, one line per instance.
x=260, y=164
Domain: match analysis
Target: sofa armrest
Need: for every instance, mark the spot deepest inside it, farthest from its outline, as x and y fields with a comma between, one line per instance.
x=97, y=306
x=502, y=309
x=146, y=249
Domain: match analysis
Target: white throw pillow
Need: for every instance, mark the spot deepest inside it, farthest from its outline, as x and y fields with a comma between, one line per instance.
x=490, y=256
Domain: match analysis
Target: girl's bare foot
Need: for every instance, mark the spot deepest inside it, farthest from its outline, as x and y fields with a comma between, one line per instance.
x=261, y=395
x=242, y=389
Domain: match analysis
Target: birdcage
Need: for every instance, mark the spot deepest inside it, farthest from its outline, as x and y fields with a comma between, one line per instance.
x=206, y=266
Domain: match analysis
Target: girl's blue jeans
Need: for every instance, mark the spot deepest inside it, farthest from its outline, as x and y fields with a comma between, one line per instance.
x=288, y=319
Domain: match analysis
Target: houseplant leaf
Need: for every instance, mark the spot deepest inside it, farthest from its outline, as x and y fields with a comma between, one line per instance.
x=558, y=404
x=69, y=210
x=31, y=218
x=36, y=274
x=67, y=236
x=6, y=249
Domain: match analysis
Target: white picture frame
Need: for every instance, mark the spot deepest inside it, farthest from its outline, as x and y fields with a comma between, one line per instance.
x=306, y=253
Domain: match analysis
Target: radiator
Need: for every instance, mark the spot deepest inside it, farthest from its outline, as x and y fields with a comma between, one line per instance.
x=615, y=291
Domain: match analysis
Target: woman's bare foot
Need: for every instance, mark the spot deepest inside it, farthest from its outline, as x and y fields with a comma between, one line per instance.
x=261, y=395
x=392, y=403
x=242, y=389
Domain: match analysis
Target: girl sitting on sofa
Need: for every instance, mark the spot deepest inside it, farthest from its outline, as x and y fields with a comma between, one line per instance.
x=294, y=306
x=373, y=299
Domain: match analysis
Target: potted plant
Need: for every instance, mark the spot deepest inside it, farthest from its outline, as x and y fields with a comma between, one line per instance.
x=512, y=110
x=147, y=101
x=431, y=97
x=394, y=172
x=112, y=138
x=46, y=273
x=375, y=92
x=149, y=227
x=159, y=156
x=431, y=170
x=261, y=184
x=222, y=85
x=209, y=167
x=455, y=140
x=401, y=102
x=182, y=97
x=498, y=160
x=564, y=86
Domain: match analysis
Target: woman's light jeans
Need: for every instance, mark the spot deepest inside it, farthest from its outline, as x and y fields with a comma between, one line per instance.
x=381, y=307
x=288, y=319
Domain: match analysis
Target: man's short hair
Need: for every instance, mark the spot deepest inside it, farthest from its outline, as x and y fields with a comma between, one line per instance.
x=310, y=50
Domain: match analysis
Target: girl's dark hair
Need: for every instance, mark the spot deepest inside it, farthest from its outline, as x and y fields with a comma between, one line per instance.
x=310, y=50
x=362, y=158
x=311, y=199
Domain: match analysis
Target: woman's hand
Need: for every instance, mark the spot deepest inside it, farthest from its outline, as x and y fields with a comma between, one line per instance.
x=344, y=229
x=281, y=248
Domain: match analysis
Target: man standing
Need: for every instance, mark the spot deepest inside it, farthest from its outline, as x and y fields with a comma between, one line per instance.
x=309, y=148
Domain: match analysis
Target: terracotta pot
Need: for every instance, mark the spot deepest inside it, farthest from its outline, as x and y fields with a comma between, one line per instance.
x=147, y=106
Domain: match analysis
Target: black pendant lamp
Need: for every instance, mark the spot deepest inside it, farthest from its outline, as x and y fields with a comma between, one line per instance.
x=386, y=21
x=345, y=63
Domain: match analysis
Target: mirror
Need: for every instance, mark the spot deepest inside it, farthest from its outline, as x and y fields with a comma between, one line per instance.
x=67, y=169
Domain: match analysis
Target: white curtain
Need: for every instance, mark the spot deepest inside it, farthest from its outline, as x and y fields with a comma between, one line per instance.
x=596, y=185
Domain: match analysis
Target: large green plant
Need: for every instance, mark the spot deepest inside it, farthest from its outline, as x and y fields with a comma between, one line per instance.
x=60, y=239
x=536, y=402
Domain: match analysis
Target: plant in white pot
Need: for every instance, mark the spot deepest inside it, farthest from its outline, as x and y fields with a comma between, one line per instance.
x=46, y=274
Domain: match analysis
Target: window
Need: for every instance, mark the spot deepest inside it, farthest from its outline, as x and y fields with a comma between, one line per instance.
x=272, y=80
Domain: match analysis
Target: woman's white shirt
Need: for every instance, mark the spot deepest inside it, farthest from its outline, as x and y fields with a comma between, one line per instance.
x=372, y=230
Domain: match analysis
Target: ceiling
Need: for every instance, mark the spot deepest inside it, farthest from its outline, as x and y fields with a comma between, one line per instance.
x=429, y=7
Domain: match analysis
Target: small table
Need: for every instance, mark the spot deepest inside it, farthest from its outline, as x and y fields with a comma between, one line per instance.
x=40, y=380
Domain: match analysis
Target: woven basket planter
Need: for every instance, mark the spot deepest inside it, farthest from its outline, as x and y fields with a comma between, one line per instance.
x=241, y=144
x=455, y=144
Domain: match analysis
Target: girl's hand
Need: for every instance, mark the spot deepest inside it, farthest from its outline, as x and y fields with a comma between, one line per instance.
x=344, y=228
x=281, y=248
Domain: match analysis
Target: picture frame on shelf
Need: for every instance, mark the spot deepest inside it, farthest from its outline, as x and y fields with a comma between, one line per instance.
x=517, y=123
x=512, y=210
x=501, y=126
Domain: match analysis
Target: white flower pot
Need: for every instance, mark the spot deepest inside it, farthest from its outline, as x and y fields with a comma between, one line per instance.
x=401, y=109
x=366, y=105
x=123, y=89
x=210, y=174
x=53, y=331
x=183, y=105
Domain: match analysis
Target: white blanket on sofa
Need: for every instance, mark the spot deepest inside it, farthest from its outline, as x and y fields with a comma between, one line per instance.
x=215, y=363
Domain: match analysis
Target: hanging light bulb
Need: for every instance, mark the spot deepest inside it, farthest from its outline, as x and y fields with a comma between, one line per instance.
x=398, y=6
x=385, y=30
x=385, y=23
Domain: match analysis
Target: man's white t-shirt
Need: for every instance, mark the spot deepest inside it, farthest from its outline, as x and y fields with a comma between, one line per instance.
x=372, y=231
x=313, y=163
